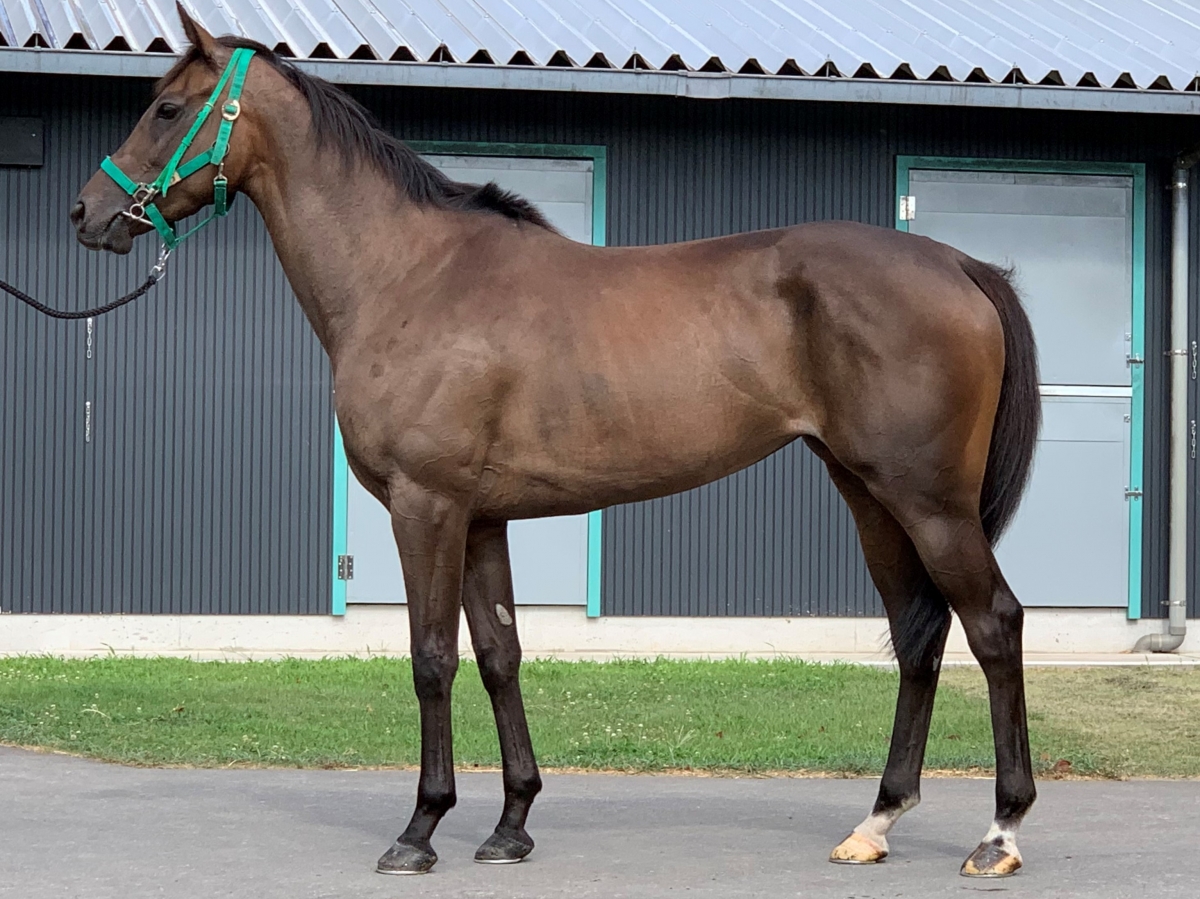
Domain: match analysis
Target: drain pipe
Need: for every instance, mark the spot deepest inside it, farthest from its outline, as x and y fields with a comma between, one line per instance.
x=1179, y=355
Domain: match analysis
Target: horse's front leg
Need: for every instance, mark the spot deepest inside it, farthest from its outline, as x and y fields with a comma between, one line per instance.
x=431, y=531
x=488, y=602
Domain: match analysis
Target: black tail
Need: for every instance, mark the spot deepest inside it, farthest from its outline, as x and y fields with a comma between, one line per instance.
x=920, y=631
x=1019, y=415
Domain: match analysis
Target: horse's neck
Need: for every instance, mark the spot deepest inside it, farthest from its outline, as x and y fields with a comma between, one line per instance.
x=341, y=233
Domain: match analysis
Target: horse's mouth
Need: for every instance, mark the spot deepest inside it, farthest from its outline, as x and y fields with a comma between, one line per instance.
x=115, y=236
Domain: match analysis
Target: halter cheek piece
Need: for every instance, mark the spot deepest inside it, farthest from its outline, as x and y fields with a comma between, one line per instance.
x=143, y=209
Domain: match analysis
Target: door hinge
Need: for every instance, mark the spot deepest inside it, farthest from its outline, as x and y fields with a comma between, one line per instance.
x=345, y=568
x=1132, y=494
x=908, y=208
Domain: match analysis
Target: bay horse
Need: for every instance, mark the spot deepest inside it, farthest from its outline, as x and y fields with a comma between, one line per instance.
x=488, y=369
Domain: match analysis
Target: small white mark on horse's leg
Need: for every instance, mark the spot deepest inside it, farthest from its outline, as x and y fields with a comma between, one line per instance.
x=502, y=614
x=868, y=843
x=876, y=826
x=1004, y=837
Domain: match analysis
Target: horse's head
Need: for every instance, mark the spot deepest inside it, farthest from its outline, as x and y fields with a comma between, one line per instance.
x=112, y=210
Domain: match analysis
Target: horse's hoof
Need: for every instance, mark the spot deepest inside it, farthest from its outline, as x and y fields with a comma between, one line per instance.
x=991, y=859
x=858, y=850
x=502, y=849
x=405, y=859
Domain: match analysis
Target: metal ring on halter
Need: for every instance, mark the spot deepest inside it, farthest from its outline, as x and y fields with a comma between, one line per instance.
x=137, y=212
x=231, y=110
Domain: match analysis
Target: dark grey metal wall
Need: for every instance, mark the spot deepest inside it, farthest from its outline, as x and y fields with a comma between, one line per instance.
x=773, y=540
x=204, y=483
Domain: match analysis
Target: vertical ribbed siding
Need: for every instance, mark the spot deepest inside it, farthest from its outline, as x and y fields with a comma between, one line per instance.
x=206, y=485
x=219, y=397
x=773, y=539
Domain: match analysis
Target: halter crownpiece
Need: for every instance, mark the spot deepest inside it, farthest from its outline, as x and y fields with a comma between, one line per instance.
x=143, y=209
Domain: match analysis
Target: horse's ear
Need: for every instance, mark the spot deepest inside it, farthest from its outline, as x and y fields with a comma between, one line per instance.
x=199, y=38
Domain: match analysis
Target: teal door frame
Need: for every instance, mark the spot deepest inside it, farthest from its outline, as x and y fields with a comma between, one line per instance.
x=341, y=469
x=1137, y=172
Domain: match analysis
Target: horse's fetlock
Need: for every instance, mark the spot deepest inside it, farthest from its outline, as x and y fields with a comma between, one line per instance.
x=437, y=800
x=1016, y=804
x=523, y=785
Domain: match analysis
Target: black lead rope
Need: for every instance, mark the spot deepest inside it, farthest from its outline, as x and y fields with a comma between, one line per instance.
x=156, y=275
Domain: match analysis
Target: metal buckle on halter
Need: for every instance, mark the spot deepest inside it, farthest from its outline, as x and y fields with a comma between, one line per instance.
x=137, y=210
x=231, y=110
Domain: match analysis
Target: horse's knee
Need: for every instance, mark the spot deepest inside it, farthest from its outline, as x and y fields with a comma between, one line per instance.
x=433, y=673
x=499, y=667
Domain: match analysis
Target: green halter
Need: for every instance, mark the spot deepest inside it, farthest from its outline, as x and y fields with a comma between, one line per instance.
x=143, y=208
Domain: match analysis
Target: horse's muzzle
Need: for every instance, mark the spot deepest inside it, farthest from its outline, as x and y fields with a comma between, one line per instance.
x=112, y=234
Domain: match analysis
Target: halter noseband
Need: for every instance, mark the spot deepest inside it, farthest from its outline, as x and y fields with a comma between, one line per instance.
x=143, y=209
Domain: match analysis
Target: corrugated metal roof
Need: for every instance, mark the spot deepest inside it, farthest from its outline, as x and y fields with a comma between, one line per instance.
x=1089, y=43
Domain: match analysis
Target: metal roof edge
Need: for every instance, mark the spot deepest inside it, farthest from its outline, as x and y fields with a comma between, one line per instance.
x=694, y=85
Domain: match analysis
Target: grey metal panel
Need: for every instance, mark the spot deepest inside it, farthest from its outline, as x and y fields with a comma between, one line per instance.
x=1106, y=41
x=20, y=140
x=1077, y=293
x=205, y=487
x=1069, y=542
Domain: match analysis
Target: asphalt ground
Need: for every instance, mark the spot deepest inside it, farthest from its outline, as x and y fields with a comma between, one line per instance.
x=77, y=828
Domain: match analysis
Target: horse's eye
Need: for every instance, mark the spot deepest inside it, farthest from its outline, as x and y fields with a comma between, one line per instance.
x=168, y=111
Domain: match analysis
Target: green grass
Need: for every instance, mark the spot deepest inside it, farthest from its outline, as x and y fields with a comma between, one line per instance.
x=1135, y=721
x=647, y=716
x=636, y=715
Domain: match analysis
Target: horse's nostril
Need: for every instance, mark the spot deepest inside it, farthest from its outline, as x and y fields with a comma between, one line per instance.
x=77, y=213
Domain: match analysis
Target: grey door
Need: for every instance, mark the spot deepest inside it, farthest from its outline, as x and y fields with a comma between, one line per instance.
x=549, y=555
x=1070, y=238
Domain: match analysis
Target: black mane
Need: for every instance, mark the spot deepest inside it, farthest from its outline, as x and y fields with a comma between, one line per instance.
x=341, y=122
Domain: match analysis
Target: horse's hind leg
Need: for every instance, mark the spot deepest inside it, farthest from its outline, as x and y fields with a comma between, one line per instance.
x=948, y=535
x=920, y=621
x=488, y=602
